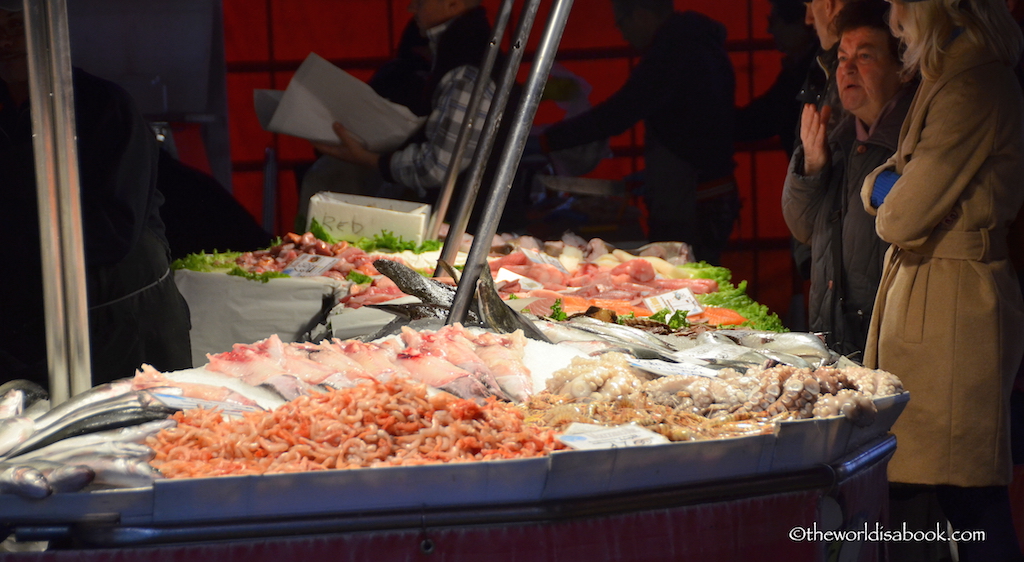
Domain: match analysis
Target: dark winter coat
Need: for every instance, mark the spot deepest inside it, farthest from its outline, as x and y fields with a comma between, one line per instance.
x=825, y=211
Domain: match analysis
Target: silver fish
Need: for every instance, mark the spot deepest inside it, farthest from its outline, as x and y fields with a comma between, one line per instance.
x=121, y=472
x=794, y=343
x=126, y=409
x=91, y=396
x=24, y=481
x=133, y=434
x=69, y=477
x=32, y=391
x=638, y=341
x=14, y=432
x=12, y=404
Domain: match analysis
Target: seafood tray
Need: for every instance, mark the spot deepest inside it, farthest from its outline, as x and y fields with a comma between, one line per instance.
x=227, y=309
x=562, y=475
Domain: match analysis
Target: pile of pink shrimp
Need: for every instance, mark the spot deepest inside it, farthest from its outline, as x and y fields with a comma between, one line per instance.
x=372, y=424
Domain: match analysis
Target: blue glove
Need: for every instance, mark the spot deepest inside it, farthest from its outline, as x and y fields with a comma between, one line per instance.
x=883, y=184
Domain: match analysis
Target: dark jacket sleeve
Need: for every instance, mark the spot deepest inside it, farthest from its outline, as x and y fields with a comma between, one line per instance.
x=654, y=81
x=117, y=155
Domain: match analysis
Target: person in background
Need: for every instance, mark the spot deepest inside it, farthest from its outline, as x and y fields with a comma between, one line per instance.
x=458, y=33
x=683, y=89
x=948, y=314
x=776, y=113
x=821, y=198
x=136, y=314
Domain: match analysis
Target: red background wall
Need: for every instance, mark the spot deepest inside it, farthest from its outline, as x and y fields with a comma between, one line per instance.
x=266, y=40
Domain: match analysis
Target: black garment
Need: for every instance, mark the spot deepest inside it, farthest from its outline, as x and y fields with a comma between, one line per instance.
x=201, y=216
x=777, y=111
x=126, y=253
x=683, y=89
x=403, y=79
x=825, y=211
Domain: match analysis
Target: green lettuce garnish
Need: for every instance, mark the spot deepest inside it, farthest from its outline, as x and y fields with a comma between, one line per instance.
x=675, y=320
x=735, y=297
x=557, y=313
x=358, y=278
x=261, y=277
x=206, y=262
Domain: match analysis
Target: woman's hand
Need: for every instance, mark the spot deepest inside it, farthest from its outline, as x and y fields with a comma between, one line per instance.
x=814, y=136
x=349, y=150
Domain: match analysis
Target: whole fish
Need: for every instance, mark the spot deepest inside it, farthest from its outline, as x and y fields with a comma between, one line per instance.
x=637, y=341
x=496, y=313
x=14, y=432
x=429, y=291
x=794, y=343
x=414, y=310
x=131, y=408
x=264, y=397
x=121, y=472
x=59, y=476
x=134, y=434
x=81, y=400
x=24, y=481
x=412, y=283
x=32, y=391
x=68, y=455
x=12, y=404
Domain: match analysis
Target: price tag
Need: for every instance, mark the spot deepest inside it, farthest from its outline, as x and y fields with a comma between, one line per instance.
x=682, y=299
x=227, y=408
x=668, y=369
x=310, y=265
x=598, y=437
x=537, y=257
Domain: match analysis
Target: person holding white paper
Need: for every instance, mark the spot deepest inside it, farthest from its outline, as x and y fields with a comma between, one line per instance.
x=458, y=32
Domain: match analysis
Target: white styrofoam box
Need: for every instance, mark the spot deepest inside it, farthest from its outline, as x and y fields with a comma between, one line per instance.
x=351, y=217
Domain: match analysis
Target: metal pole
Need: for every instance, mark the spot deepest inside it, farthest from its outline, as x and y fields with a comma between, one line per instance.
x=498, y=196
x=483, y=148
x=482, y=81
x=60, y=209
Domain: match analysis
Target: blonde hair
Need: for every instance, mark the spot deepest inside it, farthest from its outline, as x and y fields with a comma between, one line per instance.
x=926, y=27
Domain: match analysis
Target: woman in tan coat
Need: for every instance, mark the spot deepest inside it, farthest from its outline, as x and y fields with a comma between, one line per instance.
x=949, y=317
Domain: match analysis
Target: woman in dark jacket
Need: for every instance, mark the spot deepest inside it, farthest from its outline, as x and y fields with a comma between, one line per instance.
x=821, y=198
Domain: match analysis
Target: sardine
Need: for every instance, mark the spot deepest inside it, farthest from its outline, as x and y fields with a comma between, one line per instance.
x=24, y=481
x=69, y=454
x=637, y=341
x=33, y=392
x=14, y=432
x=803, y=344
x=12, y=404
x=121, y=472
x=134, y=434
x=497, y=315
x=132, y=408
x=69, y=478
x=91, y=396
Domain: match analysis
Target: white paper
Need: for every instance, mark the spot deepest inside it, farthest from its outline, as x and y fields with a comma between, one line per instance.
x=589, y=438
x=683, y=299
x=320, y=94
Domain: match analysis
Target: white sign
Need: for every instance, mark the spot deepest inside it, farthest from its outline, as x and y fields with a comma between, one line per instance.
x=587, y=436
x=309, y=265
x=683, y=299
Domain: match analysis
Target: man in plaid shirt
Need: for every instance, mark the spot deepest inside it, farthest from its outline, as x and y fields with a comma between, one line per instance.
x=458, y=32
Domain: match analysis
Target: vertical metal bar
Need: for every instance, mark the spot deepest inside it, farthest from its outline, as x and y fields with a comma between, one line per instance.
x=498, y=195
x=477, y=169
x=60, y=210
x=475, y=99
